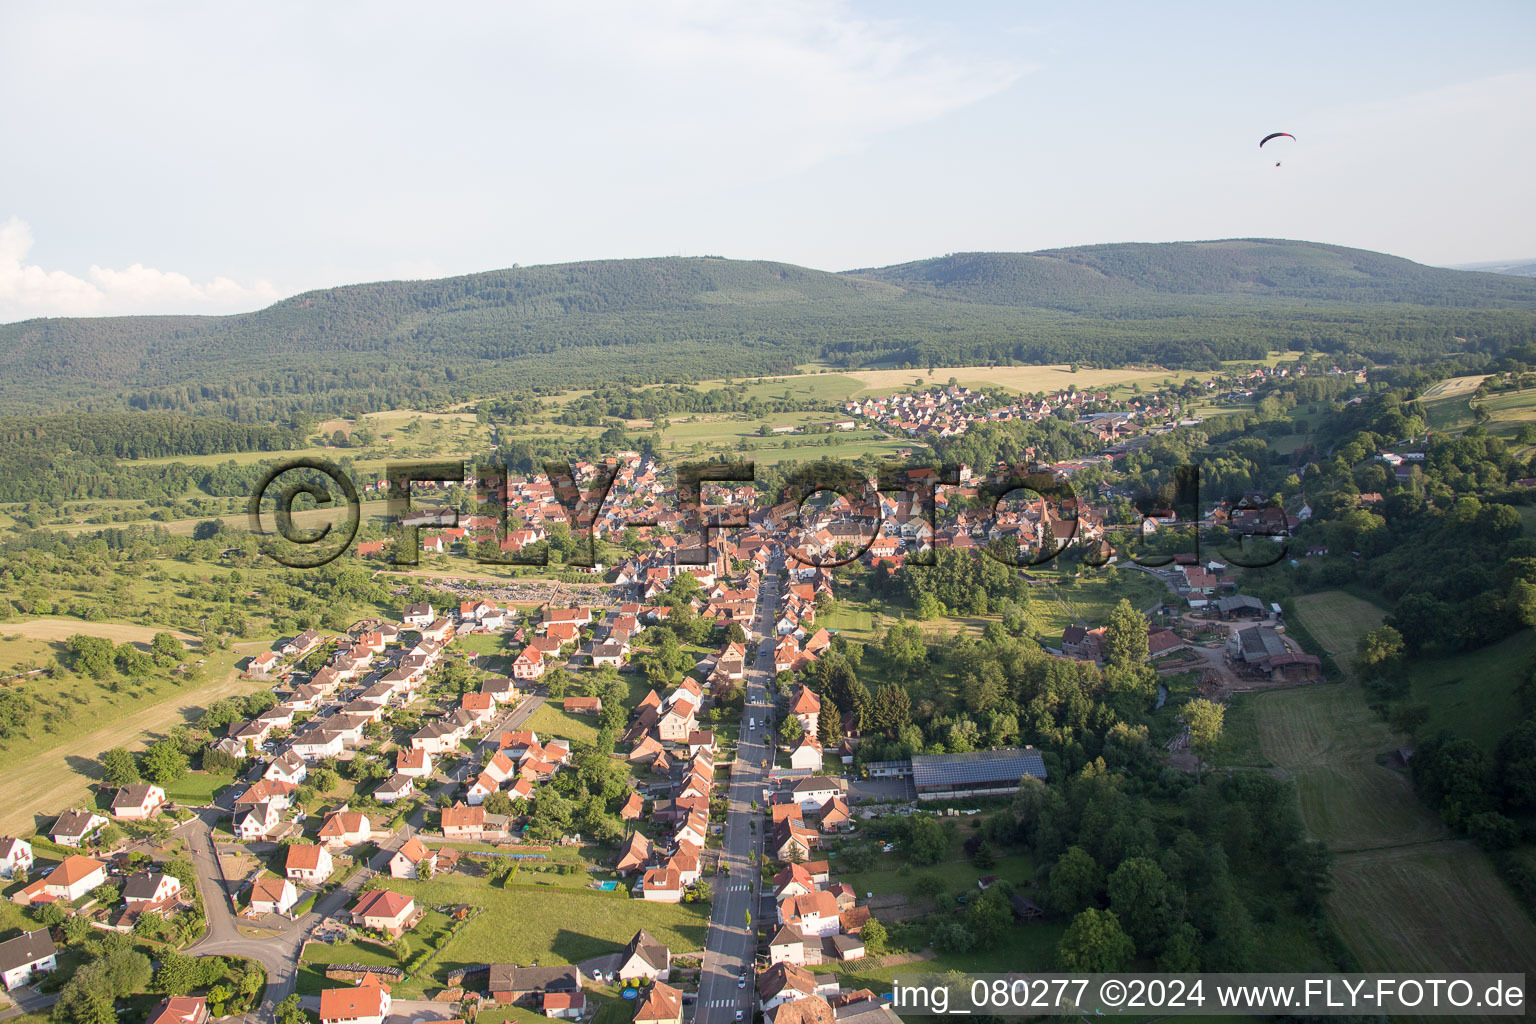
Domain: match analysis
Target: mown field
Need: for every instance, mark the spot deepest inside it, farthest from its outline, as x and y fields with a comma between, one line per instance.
x=1406, y=896
x=1337, y=620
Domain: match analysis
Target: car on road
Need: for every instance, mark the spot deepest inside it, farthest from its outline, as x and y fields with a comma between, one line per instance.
x=738, y=1015
x=741, y=982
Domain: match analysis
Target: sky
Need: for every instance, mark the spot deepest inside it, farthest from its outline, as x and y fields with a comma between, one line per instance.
x=205, y=158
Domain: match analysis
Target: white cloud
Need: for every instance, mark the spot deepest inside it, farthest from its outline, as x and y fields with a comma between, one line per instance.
x=28, y=290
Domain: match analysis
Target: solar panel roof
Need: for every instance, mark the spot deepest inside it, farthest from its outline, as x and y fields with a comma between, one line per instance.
x=1007, y=765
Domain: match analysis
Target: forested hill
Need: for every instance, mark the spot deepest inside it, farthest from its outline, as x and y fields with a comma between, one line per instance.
x=374, y=346
x=1107, y=274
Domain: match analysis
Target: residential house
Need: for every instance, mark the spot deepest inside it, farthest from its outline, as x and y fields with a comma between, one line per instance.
x=409, y=859
x=384, y=911
x=812, y=1009
x=179, y=1010
x=790, y=839
x=308, y=863
x=368, y=1002
x=510, y=984
x=662, y=885
x=138, y=802
x=15, y=857
x=814, y=793
x=806, y=706
x=676, y=723
x=635, y=855
x=396, y=787
x=74, y=877
x=529, y=663
x=645, y=957
x=784, y=983
x=787, y=946
x=663, y=1005
x=278, y=794
x=814, y=913
x=345, y=828
x=257, y=821
x=317, y=743
x=416, y=763
x=273, y=896
x=288, y=767
x=807, y=754
x=73, y=828
x=26, y=958
x=147, y=890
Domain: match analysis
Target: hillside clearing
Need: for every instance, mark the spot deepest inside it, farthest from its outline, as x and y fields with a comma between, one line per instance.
x=1338, y=620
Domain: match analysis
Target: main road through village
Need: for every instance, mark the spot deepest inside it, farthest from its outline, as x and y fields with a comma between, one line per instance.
x=731, y=944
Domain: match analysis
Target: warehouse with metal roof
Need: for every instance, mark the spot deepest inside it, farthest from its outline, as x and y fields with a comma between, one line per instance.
x=980, y=773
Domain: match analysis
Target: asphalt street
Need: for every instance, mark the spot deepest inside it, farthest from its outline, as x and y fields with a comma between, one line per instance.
x=731, y=944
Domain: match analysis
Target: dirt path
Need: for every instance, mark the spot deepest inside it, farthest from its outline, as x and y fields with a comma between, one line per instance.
x=63, y=629
x=37, y=788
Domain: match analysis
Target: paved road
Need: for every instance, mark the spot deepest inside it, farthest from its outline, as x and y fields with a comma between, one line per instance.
x=731, y=944
x=279, y=953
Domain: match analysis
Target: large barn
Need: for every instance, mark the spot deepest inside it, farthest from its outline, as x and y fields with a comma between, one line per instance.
x=982, y=773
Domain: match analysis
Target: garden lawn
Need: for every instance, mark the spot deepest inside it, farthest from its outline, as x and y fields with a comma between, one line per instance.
x=550, y=721
x=318, y=955
x=198, y=789
x=525, y=923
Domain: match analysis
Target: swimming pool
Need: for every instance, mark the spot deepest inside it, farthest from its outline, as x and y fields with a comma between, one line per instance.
x=608, y=886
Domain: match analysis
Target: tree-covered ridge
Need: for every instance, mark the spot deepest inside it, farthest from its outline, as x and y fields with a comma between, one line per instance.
x=140, y=435
x=1081, y=277
x=421, y=343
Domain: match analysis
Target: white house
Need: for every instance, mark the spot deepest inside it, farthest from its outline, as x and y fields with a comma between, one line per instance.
x=273, y=896
x=289, y=767
x=309, y=863
x=396, y=787
x=145, y=889
x=73, y=827
x=15, y=856
x=807, y=754
x=74, y=877
x=814, y=793
x=25, y=957
x=408, y=860
x=345, y=828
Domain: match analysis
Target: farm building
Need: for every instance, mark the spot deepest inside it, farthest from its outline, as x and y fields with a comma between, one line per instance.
x=980, y=773
x=1241, y=606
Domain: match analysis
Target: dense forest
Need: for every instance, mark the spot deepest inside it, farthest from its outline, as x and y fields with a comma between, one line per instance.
x=394, y=344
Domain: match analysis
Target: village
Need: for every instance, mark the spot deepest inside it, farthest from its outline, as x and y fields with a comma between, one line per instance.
x=406, y=771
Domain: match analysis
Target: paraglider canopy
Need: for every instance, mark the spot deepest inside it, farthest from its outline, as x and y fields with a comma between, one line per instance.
x=1275, y=135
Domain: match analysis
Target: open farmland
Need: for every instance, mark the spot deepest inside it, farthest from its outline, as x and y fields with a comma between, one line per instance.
x=1406, y=896
x=1338, y=621
x=1430, y=907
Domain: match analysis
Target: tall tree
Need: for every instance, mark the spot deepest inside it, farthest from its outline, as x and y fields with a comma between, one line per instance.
x=1205, y=719
x=1143, y=899
x=829, y=724
x=1095, y=943
x=893, y=708
x=119, y=768
x=1125, y=636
